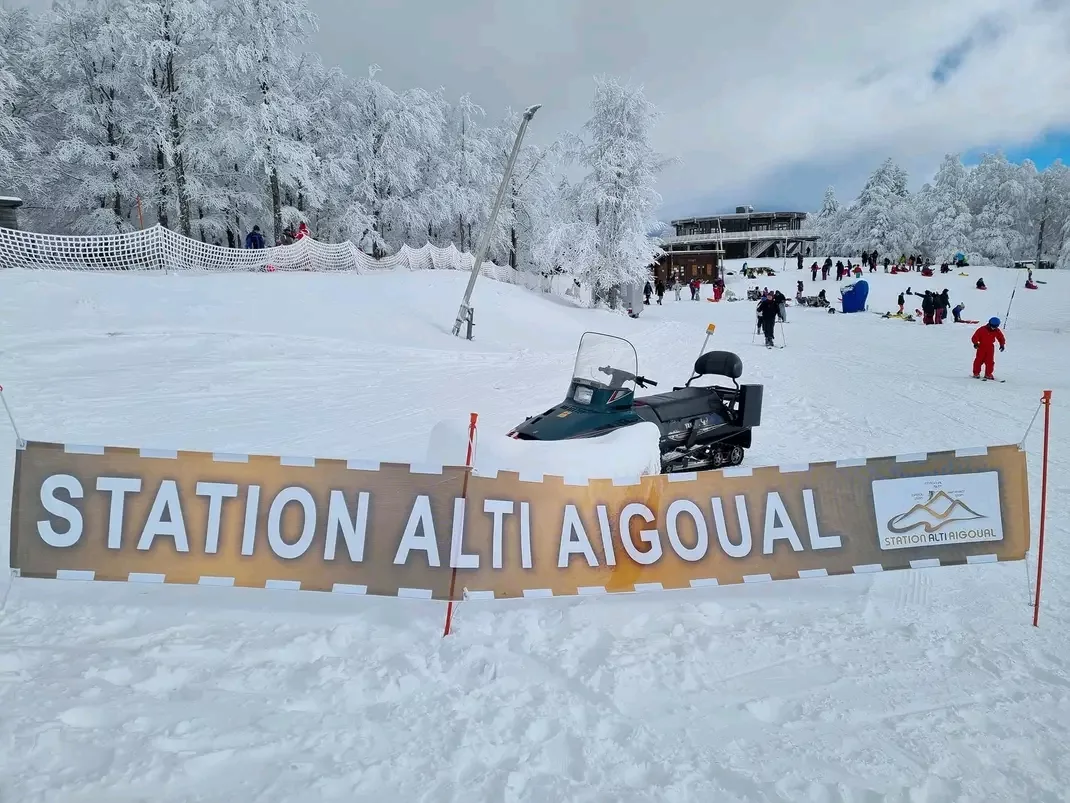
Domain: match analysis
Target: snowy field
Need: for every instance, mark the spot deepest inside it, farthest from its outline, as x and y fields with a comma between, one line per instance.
x=922, y=687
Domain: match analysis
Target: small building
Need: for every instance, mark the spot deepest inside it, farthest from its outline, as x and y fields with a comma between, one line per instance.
x=700, y=263
x=9, y=218
x=704, y=241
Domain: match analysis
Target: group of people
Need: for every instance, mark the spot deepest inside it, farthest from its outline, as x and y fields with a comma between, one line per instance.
x=255, y=238
x=695, y=286
x=772, y=306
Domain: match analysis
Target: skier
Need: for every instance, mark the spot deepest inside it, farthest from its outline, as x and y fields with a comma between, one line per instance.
x=984, y=340
x=768, y=309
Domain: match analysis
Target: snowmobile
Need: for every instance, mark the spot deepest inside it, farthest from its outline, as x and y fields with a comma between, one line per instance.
x=702, y=427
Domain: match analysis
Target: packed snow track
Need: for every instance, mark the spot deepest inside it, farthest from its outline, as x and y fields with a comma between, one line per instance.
x=906, y=686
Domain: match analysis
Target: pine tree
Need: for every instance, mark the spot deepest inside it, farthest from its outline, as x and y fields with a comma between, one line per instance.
x=944, y=211
x=602, y=237
x=883, y=217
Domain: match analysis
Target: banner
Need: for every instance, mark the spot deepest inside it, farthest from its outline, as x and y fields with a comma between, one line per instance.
x=391, y=529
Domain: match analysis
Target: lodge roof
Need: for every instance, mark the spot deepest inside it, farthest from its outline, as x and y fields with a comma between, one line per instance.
x=738, y=216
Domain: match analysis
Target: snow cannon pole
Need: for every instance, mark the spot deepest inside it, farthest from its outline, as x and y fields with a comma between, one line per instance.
x=465, y=311
x=472, y=419
x=1046, y=401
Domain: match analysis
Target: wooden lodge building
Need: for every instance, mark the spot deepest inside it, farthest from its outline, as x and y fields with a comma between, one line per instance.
x=700, y=244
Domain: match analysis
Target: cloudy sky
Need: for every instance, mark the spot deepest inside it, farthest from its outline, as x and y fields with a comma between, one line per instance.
x=764, y=103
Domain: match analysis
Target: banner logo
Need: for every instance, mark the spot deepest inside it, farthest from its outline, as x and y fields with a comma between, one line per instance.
x=937, y=510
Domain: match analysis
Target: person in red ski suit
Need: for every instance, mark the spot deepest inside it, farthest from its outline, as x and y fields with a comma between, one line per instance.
x=984, y=340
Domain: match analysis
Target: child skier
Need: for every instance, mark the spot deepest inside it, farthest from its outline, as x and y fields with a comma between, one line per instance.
x=984, y=340
x=768, y=310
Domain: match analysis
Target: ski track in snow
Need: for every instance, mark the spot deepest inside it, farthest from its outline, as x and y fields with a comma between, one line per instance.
x=922, y=686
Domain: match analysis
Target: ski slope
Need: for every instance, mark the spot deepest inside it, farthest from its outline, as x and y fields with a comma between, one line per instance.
x=909, y=686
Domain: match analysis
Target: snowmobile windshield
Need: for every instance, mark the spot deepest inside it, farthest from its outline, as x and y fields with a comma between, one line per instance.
x=604, y=361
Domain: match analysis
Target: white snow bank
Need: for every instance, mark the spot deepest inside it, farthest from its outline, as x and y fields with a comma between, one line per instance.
x=627, y=452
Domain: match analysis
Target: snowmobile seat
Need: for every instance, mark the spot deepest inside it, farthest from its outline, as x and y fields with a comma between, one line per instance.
x=684, y=403
x=719, y=363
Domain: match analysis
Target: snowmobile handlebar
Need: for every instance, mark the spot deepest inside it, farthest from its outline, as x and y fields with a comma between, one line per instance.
x=624, y=376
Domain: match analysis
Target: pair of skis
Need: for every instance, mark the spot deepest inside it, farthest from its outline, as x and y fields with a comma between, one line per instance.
x=986, y=379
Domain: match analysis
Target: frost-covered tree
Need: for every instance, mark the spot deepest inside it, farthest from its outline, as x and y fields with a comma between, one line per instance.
x=828, y=222
x=883, y=217
x=601, y=234
x=94, y=164
x=472, y=159
x=944, y=211
x=393, y=137
x=265, y=115
x=176, y=66
x=1054, y=211
x=17, y=40
x=999, y=197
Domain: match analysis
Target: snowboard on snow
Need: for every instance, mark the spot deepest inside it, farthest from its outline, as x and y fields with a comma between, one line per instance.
x=983, y=379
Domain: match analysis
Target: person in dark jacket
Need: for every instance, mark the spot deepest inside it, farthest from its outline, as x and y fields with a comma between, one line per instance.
x=254, y=239
x=902, y=304
x=768, y=309
x=782, y=305
x=659, y=289
x=928, y=306
x=941, y=302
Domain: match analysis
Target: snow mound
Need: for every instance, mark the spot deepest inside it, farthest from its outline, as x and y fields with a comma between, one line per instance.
x=628, y=452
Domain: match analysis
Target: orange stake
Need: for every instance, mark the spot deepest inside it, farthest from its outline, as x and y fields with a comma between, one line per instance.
x=464, y=494
x=1046, y=401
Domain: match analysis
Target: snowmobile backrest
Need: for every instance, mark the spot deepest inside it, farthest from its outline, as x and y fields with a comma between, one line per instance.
x=719, y=363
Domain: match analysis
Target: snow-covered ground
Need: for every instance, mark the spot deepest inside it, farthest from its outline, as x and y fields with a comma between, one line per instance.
x=909, y=686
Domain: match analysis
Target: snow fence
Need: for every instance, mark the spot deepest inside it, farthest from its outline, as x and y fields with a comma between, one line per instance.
x=124, y=514
x=161, y=250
